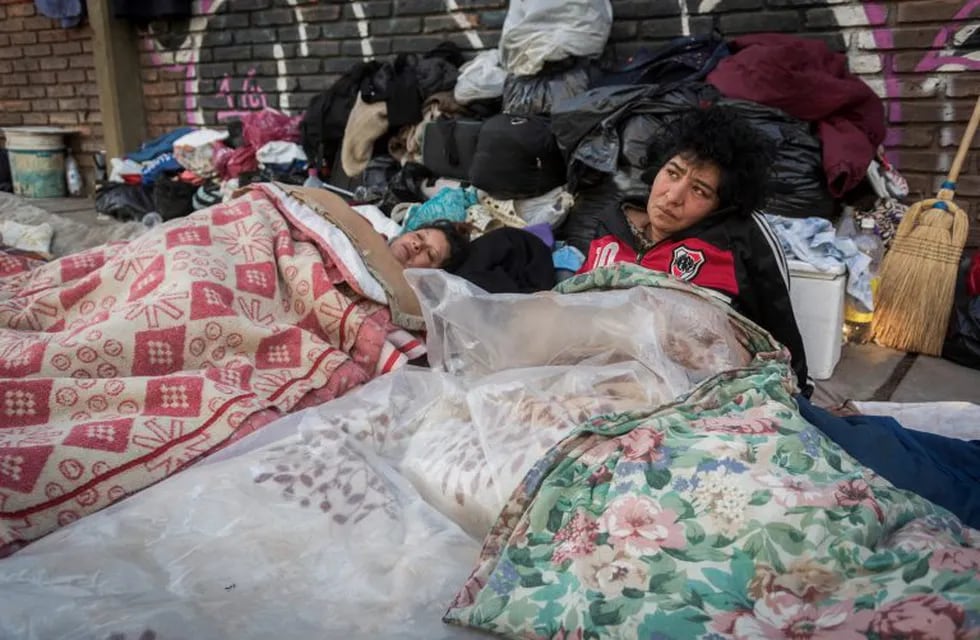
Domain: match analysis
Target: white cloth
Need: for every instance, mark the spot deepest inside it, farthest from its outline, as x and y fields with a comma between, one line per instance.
x=952, y=419
x=280, y=152
x=814, y=241
x=195, y=151
x=27, y=237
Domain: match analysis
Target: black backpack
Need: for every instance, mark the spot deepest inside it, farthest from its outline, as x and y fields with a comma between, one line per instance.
x=683, y=59
x=322, y=128
x=448, y=146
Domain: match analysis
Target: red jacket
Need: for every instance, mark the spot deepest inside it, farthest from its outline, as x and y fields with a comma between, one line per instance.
x=692, y=260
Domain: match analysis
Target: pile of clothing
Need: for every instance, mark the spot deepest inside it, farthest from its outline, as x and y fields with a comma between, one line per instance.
x=193, y=168
x=544, y=130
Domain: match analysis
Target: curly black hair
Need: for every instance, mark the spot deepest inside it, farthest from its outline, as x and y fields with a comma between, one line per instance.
x=719, y=135
x=458, y=236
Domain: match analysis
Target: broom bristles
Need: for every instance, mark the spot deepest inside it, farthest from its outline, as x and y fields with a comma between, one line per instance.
x=918, y=279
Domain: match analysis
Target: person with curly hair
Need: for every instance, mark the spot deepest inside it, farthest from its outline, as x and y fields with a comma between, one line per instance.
x=701, y=223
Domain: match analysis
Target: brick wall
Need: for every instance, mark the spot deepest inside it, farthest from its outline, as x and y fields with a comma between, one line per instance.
x=47, y=77
x=239, y=55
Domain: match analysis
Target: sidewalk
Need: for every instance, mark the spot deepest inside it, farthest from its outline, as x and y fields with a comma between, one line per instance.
x=75, y=223
x=870, y=372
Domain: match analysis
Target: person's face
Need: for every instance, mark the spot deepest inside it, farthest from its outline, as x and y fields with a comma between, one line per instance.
x=683, y=193
x=425, y=248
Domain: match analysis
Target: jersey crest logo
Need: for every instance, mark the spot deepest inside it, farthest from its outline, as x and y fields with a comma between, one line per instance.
x=686, y=263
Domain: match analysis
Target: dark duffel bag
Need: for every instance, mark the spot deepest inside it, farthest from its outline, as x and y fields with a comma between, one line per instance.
x=448, y=146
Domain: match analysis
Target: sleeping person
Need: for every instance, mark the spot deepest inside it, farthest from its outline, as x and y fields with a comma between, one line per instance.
x=132, y=360
x=440, y=245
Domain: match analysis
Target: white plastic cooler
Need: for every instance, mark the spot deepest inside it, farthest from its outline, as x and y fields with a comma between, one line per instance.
x=818, y=304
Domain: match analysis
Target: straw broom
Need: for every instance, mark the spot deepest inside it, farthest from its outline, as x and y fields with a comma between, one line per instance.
x=918, y=274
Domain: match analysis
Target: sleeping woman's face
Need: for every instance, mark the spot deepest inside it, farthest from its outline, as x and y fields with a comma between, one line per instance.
x=425, y=248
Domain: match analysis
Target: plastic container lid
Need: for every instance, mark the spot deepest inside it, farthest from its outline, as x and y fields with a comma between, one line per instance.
x=805, y=269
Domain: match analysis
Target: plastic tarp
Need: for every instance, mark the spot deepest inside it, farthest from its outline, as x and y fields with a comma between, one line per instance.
x=361, y=517
x=539, y=31
x=482, y=78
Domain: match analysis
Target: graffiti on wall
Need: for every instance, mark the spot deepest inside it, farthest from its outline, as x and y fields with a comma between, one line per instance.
x=955, y=47
x=241, y=97
x=179, y=49
x=862, y=27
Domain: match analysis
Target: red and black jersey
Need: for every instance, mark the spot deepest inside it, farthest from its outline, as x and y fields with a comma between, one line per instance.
x=738, y=256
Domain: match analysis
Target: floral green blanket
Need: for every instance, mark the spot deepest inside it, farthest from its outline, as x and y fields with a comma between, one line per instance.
x=723, y=515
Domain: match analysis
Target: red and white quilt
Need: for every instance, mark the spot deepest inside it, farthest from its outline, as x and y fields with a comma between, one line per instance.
x=124, y=363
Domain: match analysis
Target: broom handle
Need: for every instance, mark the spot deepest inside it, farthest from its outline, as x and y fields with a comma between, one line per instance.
x=971, y=130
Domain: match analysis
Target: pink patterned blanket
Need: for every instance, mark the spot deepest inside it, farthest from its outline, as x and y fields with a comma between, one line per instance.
x=124, y=363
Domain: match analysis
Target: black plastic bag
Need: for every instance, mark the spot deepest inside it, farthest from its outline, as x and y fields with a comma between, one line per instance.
x=683, y=59
x=538, y=94
x=589, y=126
x=797, y=183
x=610, y=129
x=124, y=202
x=375, y=178
x=173, y=198
x=962, y=344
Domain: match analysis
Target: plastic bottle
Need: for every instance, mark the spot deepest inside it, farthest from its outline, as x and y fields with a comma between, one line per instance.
x=98, y=158
x=73, y=176
x=313, y=179
x=857, y=317
x=846, y=227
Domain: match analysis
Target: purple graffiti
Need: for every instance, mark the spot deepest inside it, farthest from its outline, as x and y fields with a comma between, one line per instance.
x=937, y=58
x=250, y=97
x=943, y=53
x=878, y=14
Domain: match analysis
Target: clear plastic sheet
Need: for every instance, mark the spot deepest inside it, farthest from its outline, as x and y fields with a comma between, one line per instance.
x=361, y=517
x=482, y=78
x=680, y=337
